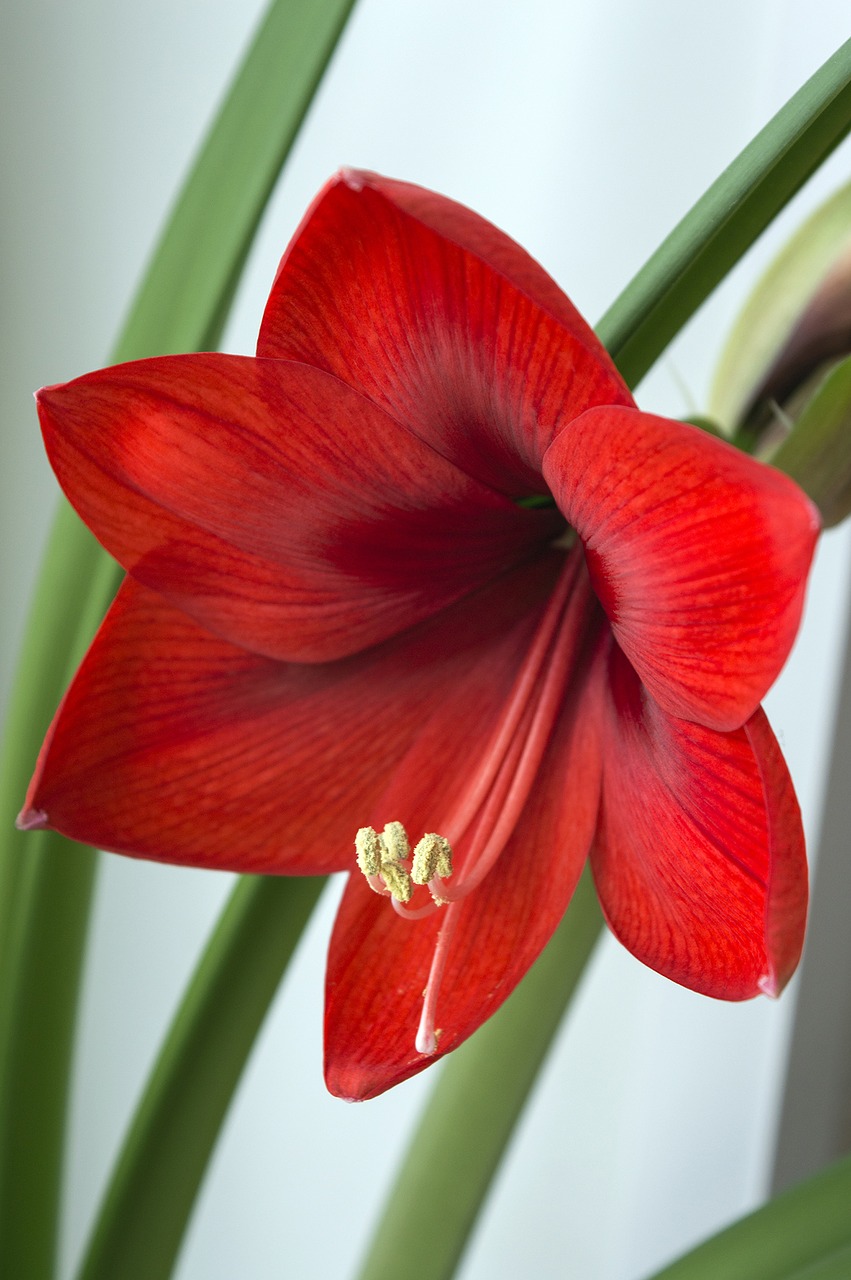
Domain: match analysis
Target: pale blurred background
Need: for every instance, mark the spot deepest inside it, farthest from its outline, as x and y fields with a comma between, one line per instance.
x=585, y=128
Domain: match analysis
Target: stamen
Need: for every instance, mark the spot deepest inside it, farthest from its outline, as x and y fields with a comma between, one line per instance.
x=520, y=765
x=518, y=701
x=432, y=860
x=493, y=804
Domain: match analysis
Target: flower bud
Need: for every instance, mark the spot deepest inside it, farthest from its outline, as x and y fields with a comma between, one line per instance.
x=782, y=385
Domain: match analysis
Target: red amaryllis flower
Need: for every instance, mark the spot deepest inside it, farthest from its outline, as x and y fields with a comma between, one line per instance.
x=339, y=618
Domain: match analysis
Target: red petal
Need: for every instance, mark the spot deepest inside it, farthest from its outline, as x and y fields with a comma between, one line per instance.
x=440, y=319
x=786, y=910
x=698, y=554
x=177, y=746
x=274, y=505
x=699, y=858
x=379, y=964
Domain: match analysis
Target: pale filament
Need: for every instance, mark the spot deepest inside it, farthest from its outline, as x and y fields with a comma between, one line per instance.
x=504, y=779
x=413, y=913
x=512, y=762
x=517, y=702
x=522, y=776
x=505, y=804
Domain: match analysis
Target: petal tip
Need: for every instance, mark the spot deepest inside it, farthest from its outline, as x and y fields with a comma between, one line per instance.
x=344, y=1097
x=769, y=986
x=341, y=1089
x=354, y=179
x=42, y=397
x=31, y=820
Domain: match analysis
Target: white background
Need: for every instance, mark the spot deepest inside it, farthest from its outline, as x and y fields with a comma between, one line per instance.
x=585, y=128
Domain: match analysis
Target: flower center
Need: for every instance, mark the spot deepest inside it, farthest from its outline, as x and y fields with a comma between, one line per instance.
x=492, y=805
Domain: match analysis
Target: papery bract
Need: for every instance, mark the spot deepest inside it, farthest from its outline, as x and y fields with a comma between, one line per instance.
x=338, y=615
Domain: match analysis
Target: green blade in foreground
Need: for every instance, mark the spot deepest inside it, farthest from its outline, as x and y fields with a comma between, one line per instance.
x=143, y=1218
x=45, y=882
x=476, y=1115
x=712, y=237
x=804, y=1234
x=837, y=1266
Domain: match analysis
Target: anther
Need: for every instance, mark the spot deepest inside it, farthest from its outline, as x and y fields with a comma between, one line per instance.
x=396, y=841
x=432, y=857
x=381, y=859
x=398, y=881
x=368, y=851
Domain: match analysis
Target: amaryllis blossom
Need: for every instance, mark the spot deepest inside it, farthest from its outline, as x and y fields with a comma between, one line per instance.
x=344, y=618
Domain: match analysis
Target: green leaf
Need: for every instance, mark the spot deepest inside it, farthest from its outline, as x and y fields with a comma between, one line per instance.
x=835, y=1267
x=804, y=1234
x=53, y=890
x=778, y=300
x=712, y=237
x=45, y=882
x=143, y=1218
x=201, y=254
x=817, y=451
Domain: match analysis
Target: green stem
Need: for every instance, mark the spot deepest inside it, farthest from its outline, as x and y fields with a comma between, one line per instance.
x=803, y=1234
x=736, y=209
x=636, y=329
x=46, y=882
x=474, y=1107
x=151, y=1193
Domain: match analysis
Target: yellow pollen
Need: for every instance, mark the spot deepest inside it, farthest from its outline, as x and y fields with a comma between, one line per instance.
x=381, y=858
x=396, y=840
x=432, y=857
x=368, y=851
x=398, y=881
